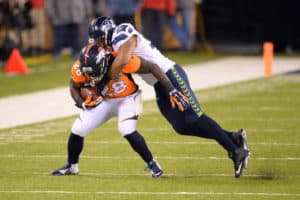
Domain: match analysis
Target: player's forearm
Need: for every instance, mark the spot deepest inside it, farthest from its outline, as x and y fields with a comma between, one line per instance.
x=124, y=55
x=75, y=93
x=117, y=66
x=149, y=67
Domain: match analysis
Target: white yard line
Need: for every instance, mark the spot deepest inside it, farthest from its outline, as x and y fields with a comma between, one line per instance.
x=137, y=158
x=129, y=193
x=57, y=103
x=118, y=142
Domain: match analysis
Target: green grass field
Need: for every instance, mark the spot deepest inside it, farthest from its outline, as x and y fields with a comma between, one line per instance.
x=195, y=168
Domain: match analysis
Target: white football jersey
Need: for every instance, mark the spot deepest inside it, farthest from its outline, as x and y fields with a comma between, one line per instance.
x=144, y=49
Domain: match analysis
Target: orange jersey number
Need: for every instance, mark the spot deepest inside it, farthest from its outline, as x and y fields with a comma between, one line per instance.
x=121, y=87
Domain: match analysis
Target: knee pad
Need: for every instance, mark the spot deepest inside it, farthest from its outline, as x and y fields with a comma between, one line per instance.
x=127, y=126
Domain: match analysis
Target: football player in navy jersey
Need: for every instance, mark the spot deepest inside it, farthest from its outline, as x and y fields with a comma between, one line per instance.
x=126, y=40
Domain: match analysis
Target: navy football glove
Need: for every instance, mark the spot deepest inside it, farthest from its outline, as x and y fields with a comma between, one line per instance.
x=179, y=100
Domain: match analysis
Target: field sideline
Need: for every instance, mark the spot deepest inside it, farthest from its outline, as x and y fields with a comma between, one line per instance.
x=268, y=108
x=57, y=102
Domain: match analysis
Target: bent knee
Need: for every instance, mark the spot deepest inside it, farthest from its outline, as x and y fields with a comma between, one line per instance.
x=127, y=127
x=185, y=129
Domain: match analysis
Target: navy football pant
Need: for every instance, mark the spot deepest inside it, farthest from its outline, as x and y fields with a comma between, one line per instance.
x=192, y=121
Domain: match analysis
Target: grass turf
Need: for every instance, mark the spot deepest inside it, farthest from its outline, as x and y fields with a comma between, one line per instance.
x=195, y=168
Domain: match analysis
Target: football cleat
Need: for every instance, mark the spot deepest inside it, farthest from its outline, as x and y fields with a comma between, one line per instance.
x=155, y=169
x=68, y=169
x=240, y=159
x=240, y=139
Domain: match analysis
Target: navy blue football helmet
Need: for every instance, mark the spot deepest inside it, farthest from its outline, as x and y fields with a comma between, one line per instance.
x=94, y=62
x=101, y=29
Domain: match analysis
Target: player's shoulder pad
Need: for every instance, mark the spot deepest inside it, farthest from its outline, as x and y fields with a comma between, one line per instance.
x=122, y=33
x=133, y=65
x=76, y=73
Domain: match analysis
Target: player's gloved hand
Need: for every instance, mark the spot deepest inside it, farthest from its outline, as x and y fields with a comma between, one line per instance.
x=178, y=99
x=90, y=103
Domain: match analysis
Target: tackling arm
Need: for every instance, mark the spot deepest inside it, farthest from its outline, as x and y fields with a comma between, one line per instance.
x=123, y=57
x=149, y=67
x=176, y=97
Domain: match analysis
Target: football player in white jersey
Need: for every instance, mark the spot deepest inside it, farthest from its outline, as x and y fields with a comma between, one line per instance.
x=126, y=40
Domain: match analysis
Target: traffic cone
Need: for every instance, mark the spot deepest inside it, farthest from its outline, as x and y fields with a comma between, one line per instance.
x=16, y=64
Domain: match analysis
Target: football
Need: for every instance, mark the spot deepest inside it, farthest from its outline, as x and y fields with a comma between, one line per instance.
x=89, y=91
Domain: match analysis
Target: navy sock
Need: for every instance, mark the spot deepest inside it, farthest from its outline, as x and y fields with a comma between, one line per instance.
x=211, y=129
x=228, y=133
x=139, y=145
x=75, y=146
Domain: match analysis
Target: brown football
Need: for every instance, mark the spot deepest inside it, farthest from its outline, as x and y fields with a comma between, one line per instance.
x=89, y=91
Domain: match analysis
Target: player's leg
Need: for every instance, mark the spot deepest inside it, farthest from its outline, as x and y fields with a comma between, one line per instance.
x=180, y=80
x=235, y=143
x=83, y=125
x=203, y=126
x=127, y=119
x=180, y=121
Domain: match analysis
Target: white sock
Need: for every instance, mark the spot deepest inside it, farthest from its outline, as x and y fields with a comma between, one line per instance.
x=74, y=167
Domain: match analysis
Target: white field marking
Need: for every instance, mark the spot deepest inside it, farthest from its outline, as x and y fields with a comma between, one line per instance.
x=24, y=134
x=261, y=108
x=49, y=68
x=152, y=142
x=54, y=128
x=261, y=119
x=28, y=134
x=268, y=99
x=170, y=175
x=167, y=174
x=151, y=193
x=136, y=157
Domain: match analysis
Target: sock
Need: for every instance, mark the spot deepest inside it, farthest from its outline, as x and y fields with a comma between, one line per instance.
x=211, y=129
x=139, y=145
x=75, y=146
x=74, y=168
x=229, y=133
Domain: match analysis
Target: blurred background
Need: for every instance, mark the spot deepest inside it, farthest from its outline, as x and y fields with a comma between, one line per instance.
x=39, y=27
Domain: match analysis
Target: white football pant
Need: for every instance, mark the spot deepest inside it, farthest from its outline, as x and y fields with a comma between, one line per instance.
x=125, y=109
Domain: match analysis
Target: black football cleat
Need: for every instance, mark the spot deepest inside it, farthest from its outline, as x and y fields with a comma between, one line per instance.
x=240, y=159
x=155, y=169
x=240, y=139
